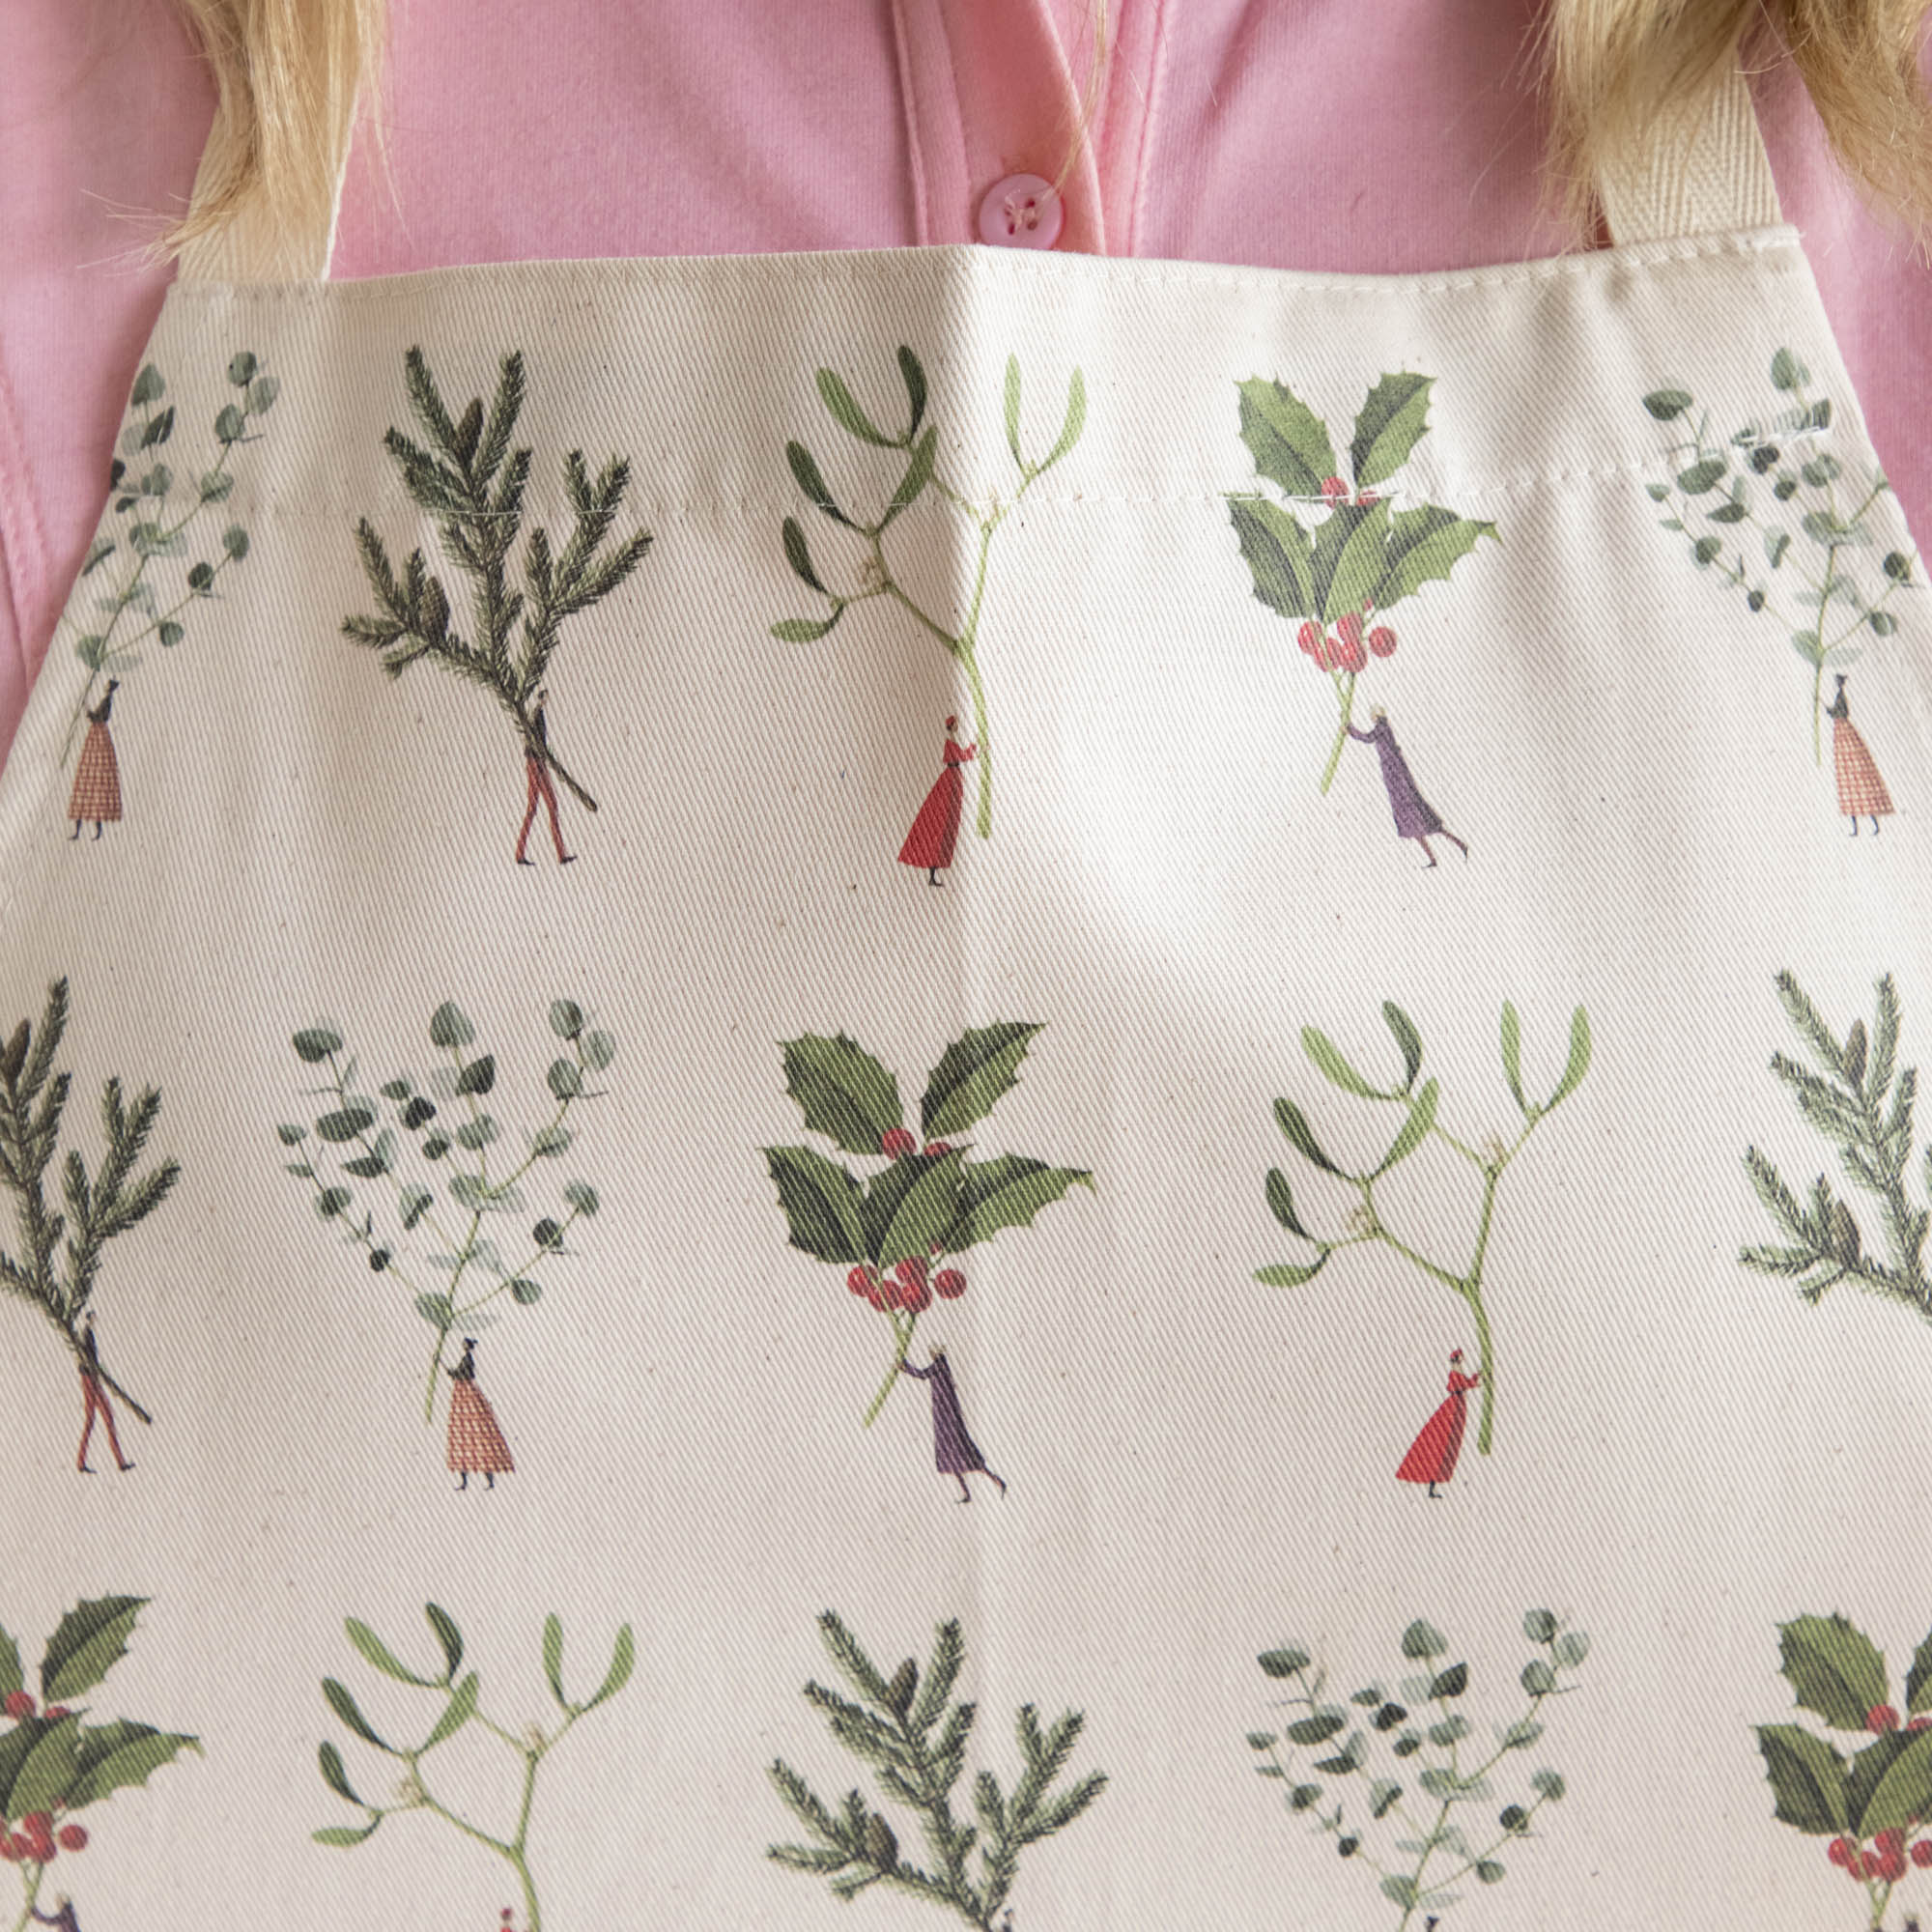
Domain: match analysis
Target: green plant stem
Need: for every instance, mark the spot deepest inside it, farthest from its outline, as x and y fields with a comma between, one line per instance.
x=1818, y=669
x=1344, y=699
x=30, y=1882
x=903, y=1339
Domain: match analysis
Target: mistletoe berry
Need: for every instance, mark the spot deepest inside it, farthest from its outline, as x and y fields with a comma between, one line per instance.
x=1880, y=1717
x=73, y=1837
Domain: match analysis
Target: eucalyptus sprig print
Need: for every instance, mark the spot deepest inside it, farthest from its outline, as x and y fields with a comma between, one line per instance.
x=1873, y=1804
x=472, y=483
x=406, y=1174
x=140, y=577
x=894, y=1228
x=1367, y=1225
x=57, y=1265
x=1856, y=1095
x=458, y=1697
x=55, y=1763
x=1420, y=1820
x=1810, y=568
x=1362, y=556
x=907, y=1731
x=876, y=576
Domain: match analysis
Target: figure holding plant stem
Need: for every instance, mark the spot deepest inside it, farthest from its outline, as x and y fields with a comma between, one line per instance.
x=874, y=570
x=1368, y=1225
x=476, y=1445
x=97, y=783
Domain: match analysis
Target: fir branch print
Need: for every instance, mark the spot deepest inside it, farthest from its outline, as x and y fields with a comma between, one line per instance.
x=1870, y=1801
x=471, y=482
x=57, y=1762
x=414, y=1175
x=55, y=1264
x=875, y=577
x=894, y=1230
x=458, y=1712
x=1356, y=558
x=1775, y=480
x=1856, y=1095
x=911, y=1735
x=1490, y=1162
x=1418, y=1820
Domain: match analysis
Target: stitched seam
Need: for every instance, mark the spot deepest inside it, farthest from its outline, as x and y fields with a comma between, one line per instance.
x=23, y=545
x=922, y=216
x=1156, y=73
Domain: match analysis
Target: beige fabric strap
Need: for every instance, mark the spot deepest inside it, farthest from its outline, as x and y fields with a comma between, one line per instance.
x=1708, y=176
x=251, y=248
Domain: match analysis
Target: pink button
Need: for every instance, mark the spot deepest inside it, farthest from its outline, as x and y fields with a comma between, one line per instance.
x=1021, y=212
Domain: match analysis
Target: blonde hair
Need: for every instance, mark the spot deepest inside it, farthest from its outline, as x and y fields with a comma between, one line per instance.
x=1619, y=73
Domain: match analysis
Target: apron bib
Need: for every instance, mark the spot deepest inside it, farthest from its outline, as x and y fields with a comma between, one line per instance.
x=1118, y=1051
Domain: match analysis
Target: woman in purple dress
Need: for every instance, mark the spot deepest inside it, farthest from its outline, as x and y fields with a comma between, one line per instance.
x=1415, y=816
x=954, y=1451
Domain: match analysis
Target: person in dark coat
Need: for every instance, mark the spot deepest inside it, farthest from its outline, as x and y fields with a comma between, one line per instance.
x=1415, y=816
x=954, y=1451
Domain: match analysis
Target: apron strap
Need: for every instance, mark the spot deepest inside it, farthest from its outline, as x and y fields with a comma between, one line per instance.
x=1709, y=176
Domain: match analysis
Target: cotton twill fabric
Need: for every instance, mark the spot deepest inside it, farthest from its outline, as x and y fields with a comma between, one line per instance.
x=1200, y=1465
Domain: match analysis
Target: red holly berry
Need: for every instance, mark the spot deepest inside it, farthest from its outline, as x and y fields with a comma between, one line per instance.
x=876, y=1298
x=936, y=1148
x=1367, y=497
x=1841, y=1851
x=912, y=1270
x=895, y=1141
x=1350, y=628
x=1381, y=640
x=1347, y=656
x=7, y=1850
x=889, y=1293
x=1308, y=638
x=1922, y=1853
x=20, y=1705
x=1890, y=1866
x=1890, y=1841
x=38, y=1824
x=73, y=1837
x=55, y=1712
x=1334, y=488
x=860, y=1281
x=915, y=1298
x=1882, y=1718
x=948, y=1284
x=1919, y=1723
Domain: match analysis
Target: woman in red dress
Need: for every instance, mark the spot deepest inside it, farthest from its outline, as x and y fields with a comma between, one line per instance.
x=936, y=830
x=1432, y=1456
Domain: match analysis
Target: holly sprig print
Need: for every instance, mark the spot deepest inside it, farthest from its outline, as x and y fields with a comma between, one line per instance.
x=1411, y=1819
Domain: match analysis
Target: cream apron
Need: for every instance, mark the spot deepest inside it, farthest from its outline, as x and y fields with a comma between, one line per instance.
x=1228, y=1051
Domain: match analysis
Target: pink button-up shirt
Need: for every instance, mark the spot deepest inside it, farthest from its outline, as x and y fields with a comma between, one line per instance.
x=1396, y=136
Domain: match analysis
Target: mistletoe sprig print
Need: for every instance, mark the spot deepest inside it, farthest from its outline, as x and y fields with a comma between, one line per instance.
x=1367, y=1225
x=910, y=1734
x=138, y=562
x=460, y=1696
x=1810, y=569
x=1344, y=569
x=894, y=1230
x=1421, y=1820
x=876, y=576
x=55, y=1761
x=408, y=1176
x=1873, y=1804
x=1856, y=1095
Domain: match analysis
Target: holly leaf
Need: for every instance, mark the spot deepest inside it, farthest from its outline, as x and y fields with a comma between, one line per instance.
x=1351, y=553
x=1279, y=553
x=123, y=1753
x=1902, y=1793
x=1833, y=1668
x=1918, y=1680
x=1288, y=441
x=1390, y=423
x=822, y=1204
x=1425, y=544
x=843, y=1090
x=911, y=1206
x=973, y=1073
x=52, y=1767
x=86, y=1644
x=11, y=1678
x=1007, y=1192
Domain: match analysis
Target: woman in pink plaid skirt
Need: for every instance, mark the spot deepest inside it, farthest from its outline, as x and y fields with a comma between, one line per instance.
x=1861, y=792
x=97, y=783
x=476, y=1443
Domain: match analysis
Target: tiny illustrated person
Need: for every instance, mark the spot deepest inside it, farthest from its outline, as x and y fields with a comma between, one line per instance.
x=1432, y=1456
x=94, y=1395
x=476, y=1445
x=1415, y=816
x=540, y=789
x=96, y=781
x=935, y=832
x=954, y=1453
x=1861, y=792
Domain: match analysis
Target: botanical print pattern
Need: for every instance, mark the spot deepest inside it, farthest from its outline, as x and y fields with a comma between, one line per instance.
x=1366, y=1222
x=1422, y=1821
x=459, y=1713
x=1872, y=1801
x=472, y=483
x=894, y=1230
x=420, y=1177
x=1358, y=555
x=1854, y=1092
x=57, y=1266
x=144, y=565
x=907, y=1731
x=874, y=575
x=57, y=1762
x=1769, y=511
